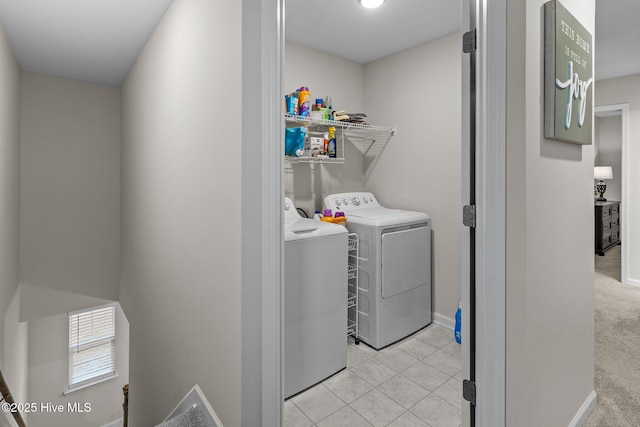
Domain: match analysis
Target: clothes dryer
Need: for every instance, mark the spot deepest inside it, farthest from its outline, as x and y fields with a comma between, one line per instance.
x=315, y=300
x=394, y=278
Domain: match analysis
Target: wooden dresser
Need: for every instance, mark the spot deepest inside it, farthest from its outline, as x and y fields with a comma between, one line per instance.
x=607, y=225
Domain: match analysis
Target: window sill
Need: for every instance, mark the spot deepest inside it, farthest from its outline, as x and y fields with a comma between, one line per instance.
x=91, y=384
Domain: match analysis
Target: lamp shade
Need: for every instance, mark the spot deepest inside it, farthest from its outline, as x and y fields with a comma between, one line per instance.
x=602, y=172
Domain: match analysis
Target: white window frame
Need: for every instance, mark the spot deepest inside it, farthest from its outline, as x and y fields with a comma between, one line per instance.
x=99, y=377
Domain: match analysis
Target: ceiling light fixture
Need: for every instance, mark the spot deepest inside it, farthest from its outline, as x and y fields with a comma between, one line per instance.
x=371, y=4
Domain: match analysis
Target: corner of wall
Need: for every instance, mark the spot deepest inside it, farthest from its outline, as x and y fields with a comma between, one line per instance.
x=9, y=184
x=16, y=340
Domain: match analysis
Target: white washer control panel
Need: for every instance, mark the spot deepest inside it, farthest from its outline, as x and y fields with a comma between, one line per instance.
x=290, y=212
x=350, y=202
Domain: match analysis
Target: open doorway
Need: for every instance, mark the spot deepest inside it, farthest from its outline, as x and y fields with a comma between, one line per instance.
x=415, y=89
x=615, y=302
x=491, y=172
x=610, y=157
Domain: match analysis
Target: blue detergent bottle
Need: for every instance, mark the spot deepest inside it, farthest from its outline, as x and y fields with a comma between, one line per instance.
x=458, y=329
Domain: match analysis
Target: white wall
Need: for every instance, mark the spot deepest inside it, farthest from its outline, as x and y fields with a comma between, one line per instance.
x=608, y=152
x=15, y=367
x=181, y=223
x=70, y=185
x=342, y=80
x=419, y=91
x=618, y=91
x=37, y=302
x=48, y=375
x=9, y=183
x=550, y=300
x=325, y=75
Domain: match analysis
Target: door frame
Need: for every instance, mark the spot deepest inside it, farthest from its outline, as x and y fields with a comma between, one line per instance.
x=262, y=382
x=623, y=111
x=490, y=21
x=262, y=139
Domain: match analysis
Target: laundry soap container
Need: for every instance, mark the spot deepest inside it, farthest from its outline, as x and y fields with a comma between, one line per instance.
x=327, y=216
x=340, y=219
x=304, y=102
x=458, y=328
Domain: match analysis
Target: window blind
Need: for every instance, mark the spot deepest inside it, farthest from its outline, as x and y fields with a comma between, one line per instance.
x=92, y=345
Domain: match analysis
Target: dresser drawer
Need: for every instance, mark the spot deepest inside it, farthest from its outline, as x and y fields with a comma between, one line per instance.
x=607, y=225
x=615, y=222
x=615, y=236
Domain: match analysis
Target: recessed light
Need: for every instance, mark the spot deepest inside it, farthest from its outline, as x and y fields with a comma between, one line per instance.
x=370, y=4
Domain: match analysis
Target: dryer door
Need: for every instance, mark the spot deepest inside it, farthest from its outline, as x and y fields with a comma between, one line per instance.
x=406, y=260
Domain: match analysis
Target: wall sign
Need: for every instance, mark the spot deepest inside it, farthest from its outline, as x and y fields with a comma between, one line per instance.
x=568, y=76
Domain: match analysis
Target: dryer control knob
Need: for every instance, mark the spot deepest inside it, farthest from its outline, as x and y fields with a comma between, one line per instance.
x=356, y=201
x=345, y=201
x=286, y=206
x=337, y=202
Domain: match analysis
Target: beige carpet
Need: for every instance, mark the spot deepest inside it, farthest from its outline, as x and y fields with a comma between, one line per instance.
x=617, y=347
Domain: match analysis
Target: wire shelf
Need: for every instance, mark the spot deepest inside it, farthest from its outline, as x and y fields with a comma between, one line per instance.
x=353, y=242
x=351, y=327
x=351, y=300
x=352, y=272
x=339, y=124
x=352, y=286
x=304, y=159
x=370, y=140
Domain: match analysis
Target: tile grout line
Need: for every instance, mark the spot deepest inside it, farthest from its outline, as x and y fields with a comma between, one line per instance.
x=338, y=397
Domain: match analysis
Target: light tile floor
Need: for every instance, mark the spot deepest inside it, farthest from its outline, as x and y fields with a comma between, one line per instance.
x=415, y=382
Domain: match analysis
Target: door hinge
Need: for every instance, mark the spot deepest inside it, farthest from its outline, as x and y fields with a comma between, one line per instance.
x=469, y=41
x=469, y=391
x=469, y=216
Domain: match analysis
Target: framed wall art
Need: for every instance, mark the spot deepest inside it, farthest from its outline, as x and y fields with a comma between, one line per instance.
x=568, y=76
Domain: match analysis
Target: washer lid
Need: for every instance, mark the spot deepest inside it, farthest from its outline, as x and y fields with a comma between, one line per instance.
x=305, y=228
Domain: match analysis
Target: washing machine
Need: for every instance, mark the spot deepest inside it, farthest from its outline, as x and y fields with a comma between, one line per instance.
x=315, y=300
x=394, y=270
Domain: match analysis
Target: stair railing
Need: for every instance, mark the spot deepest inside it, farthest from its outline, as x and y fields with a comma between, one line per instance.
x=125, y=405
x=6, y=397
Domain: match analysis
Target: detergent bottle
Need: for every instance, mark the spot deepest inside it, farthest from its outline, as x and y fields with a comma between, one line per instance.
x=327, y=216
x=304, y=102
x=340, y=219
x=331, y=146
x=458, y=329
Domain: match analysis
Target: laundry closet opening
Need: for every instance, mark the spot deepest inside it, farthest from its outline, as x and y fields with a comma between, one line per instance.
x=396, y=72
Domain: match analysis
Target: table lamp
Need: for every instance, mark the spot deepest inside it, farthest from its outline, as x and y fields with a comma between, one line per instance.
x=602, y=173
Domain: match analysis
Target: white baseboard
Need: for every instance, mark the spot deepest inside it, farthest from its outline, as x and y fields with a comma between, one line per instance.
x=447, y=322
x=633, y=282
x=585, y=410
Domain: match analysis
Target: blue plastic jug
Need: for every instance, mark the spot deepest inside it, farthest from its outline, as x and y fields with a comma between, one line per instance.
x=458, y=329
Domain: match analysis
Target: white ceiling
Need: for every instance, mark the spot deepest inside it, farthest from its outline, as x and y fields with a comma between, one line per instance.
x=345, y=29
x=98, y=40
x=617, y=49
x=90, y=40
